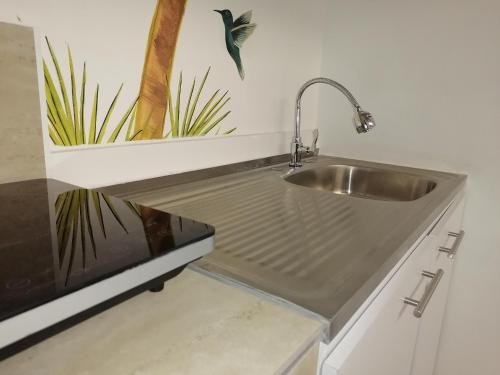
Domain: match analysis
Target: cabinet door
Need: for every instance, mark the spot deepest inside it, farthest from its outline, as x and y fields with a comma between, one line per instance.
x=431, y=321
x=430, y=324
x=383, y=340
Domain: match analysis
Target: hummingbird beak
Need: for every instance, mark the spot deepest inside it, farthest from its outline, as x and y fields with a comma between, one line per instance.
x=218, y=11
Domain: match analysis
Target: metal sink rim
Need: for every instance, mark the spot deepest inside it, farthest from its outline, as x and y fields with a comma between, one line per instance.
x=363, y=182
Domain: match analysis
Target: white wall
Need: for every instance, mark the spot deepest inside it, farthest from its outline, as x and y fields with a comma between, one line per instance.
x=111, y=37
x=430, y=73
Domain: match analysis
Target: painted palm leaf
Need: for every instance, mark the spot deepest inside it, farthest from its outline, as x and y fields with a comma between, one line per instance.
x=196, y=121
x=66, y=112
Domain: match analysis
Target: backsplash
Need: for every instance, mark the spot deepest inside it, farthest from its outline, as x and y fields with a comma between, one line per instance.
x=105, y=70
x=21, y=144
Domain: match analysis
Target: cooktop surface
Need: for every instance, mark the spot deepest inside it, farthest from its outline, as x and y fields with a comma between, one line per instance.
x=56, y=239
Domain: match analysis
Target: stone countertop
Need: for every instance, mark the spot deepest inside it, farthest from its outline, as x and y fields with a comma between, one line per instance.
x=196, y=325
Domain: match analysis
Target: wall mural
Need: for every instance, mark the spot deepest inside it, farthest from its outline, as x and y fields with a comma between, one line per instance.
x=68, y=120
x=146, y=116
x=236, y=32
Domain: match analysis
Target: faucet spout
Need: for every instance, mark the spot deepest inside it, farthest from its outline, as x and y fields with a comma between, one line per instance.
x=363, y=120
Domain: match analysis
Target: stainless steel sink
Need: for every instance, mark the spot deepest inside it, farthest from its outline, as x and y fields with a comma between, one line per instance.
x=363, y=182
x=302, y=245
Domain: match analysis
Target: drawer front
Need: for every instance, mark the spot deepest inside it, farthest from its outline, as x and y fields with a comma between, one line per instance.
x=448, y=227
x=382, y=341
x=429, y=328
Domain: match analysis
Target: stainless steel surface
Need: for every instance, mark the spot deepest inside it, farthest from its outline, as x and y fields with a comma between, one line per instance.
x=362, y=182
x=429, y=291
x=136, y=188
x=321, y=251
x=452, y=251
x=363, y=121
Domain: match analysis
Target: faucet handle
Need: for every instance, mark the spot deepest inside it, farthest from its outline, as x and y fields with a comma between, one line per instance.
x=315, y=138
x=297, y=149
x=314, y=149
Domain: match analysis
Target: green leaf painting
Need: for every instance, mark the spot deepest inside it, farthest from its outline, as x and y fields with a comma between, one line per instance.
x=70, y=125
x=197, y=118
x=66, y=111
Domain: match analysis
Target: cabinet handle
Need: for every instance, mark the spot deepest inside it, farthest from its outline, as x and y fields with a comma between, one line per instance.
x=451, y=251
x=429, y=291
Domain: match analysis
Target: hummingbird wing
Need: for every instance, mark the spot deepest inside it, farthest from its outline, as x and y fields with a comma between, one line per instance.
x=241, y=33
x=244, y=19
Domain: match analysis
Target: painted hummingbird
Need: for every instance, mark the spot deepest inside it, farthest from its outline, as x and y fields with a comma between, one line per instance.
x=237, y=32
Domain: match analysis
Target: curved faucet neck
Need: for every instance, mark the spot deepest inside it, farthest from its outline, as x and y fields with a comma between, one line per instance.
x=296, y=147
x=311, y=82
x=330, y=82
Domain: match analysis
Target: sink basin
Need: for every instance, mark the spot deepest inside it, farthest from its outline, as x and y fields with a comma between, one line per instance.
x=363, y=182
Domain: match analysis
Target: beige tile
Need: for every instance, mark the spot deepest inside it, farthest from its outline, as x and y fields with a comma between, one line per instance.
x=196, y=325
x=308, y=363
x=21, y=142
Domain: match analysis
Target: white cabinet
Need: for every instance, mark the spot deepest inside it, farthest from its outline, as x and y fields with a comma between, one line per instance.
x=387, y=337
x=430, y=322
x=383, y=339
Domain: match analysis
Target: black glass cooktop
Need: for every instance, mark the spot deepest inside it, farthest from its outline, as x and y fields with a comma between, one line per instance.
x=55, y=239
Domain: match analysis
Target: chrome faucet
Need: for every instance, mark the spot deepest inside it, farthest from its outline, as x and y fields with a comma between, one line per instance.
x=363, y=121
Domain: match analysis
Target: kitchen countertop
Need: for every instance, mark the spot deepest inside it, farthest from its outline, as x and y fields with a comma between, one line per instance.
x=320, y=252
x=196, y=325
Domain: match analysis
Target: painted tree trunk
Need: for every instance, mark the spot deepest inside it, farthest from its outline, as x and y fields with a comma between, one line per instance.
x=153, y=101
